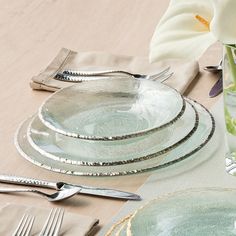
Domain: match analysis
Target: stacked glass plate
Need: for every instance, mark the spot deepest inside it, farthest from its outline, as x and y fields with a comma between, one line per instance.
x=114, y=127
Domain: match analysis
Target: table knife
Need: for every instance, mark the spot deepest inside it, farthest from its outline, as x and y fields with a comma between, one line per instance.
x=217, y=87
x=97, y=191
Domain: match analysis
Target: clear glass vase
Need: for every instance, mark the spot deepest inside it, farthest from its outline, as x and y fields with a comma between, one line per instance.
x=229, y=88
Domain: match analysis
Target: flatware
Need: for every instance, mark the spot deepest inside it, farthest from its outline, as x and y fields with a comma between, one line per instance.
x=57, y=196
x=217, y=87
x=53, y=223
x=75, y=76
x=103, y=192
x=25, y=226
x=214, y=69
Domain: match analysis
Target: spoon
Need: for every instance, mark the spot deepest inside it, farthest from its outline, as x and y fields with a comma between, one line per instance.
x=56, y=196
x=214, y=69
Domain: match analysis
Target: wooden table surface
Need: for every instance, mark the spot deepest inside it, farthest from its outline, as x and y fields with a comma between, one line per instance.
x=31, y=33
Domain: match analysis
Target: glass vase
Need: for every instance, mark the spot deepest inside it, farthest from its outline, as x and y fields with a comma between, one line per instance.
x=229, y=89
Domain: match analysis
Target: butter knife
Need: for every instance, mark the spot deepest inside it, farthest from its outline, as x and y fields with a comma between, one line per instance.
x=102, y=192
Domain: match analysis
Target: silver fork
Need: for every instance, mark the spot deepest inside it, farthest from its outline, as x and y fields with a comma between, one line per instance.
x=25, y=226
x=53, y=223
x=75, y=76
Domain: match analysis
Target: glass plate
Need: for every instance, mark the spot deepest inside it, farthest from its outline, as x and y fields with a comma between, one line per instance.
x=88, y=152
x=199, y=139
x=210, y=212
x=119, y=228
x=112, y=109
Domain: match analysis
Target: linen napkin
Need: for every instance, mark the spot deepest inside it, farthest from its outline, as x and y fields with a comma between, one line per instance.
x=73, y=224
x=184, y=71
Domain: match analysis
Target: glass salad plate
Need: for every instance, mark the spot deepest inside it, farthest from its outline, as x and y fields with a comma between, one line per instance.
x=112, y=109
x=200, y=138
x=210, y=211
x=88, y=152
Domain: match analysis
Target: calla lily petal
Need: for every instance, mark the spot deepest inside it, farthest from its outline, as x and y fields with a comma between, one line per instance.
x=223, y=24
x=179, y=34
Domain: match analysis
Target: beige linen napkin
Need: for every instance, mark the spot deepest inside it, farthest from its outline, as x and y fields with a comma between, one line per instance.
x=73, y=224
x=184, y=71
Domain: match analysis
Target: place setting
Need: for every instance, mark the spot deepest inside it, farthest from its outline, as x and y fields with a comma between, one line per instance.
x=108, y=127
x=120, y=118
x=110, y=123
x=111, y=127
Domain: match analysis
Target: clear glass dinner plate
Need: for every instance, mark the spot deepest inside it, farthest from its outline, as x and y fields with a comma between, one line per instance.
x=197, y=212
x=202, y=135
x=112, y=109
x=88, y=152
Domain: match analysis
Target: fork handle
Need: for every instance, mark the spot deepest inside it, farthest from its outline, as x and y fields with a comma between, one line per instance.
x=95, y=73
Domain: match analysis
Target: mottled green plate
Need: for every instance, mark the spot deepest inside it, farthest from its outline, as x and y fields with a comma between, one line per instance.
x=200, y=212
x=119, y=228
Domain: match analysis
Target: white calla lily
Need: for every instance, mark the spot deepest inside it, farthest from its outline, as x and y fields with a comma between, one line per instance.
x=189, y=27
x=223, y=25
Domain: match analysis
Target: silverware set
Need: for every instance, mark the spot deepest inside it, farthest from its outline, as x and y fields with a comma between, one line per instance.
x=51, y=226
x=65, y=190
x=78, y=76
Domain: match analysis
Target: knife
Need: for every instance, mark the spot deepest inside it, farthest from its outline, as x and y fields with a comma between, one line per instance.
x=217, y=87
x=103, y=192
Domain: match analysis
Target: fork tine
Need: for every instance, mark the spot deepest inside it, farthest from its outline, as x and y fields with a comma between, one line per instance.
x=19, y=227
x=25, y=226
x=160, y=74
x=47, y=222
x=58, y=223
x=31, y=222
x=166, y=77
x=53, y=223
x=162, y=78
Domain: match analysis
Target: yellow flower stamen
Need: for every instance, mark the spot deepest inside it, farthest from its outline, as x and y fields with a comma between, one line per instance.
x=203, y=21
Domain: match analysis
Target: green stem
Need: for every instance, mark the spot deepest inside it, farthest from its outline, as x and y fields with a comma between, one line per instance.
x=231, y=63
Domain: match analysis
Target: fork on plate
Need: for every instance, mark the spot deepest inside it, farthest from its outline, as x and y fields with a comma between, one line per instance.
x=25, y=226
x=53, y=223
x=76, y=76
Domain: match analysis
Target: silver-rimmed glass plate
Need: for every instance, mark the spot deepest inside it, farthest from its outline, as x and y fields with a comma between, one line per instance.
x=210, y=212
x=112, y=109
x=88, y=152
x=199, y=139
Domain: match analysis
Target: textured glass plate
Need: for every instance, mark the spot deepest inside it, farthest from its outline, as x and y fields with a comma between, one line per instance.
x=202, y=135
x=197, y=212
x=112, y=109
x=88, y=152
x=119, y=228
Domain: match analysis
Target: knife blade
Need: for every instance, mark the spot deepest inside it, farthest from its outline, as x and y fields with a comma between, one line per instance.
x=217, y=87
x=90, y=190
